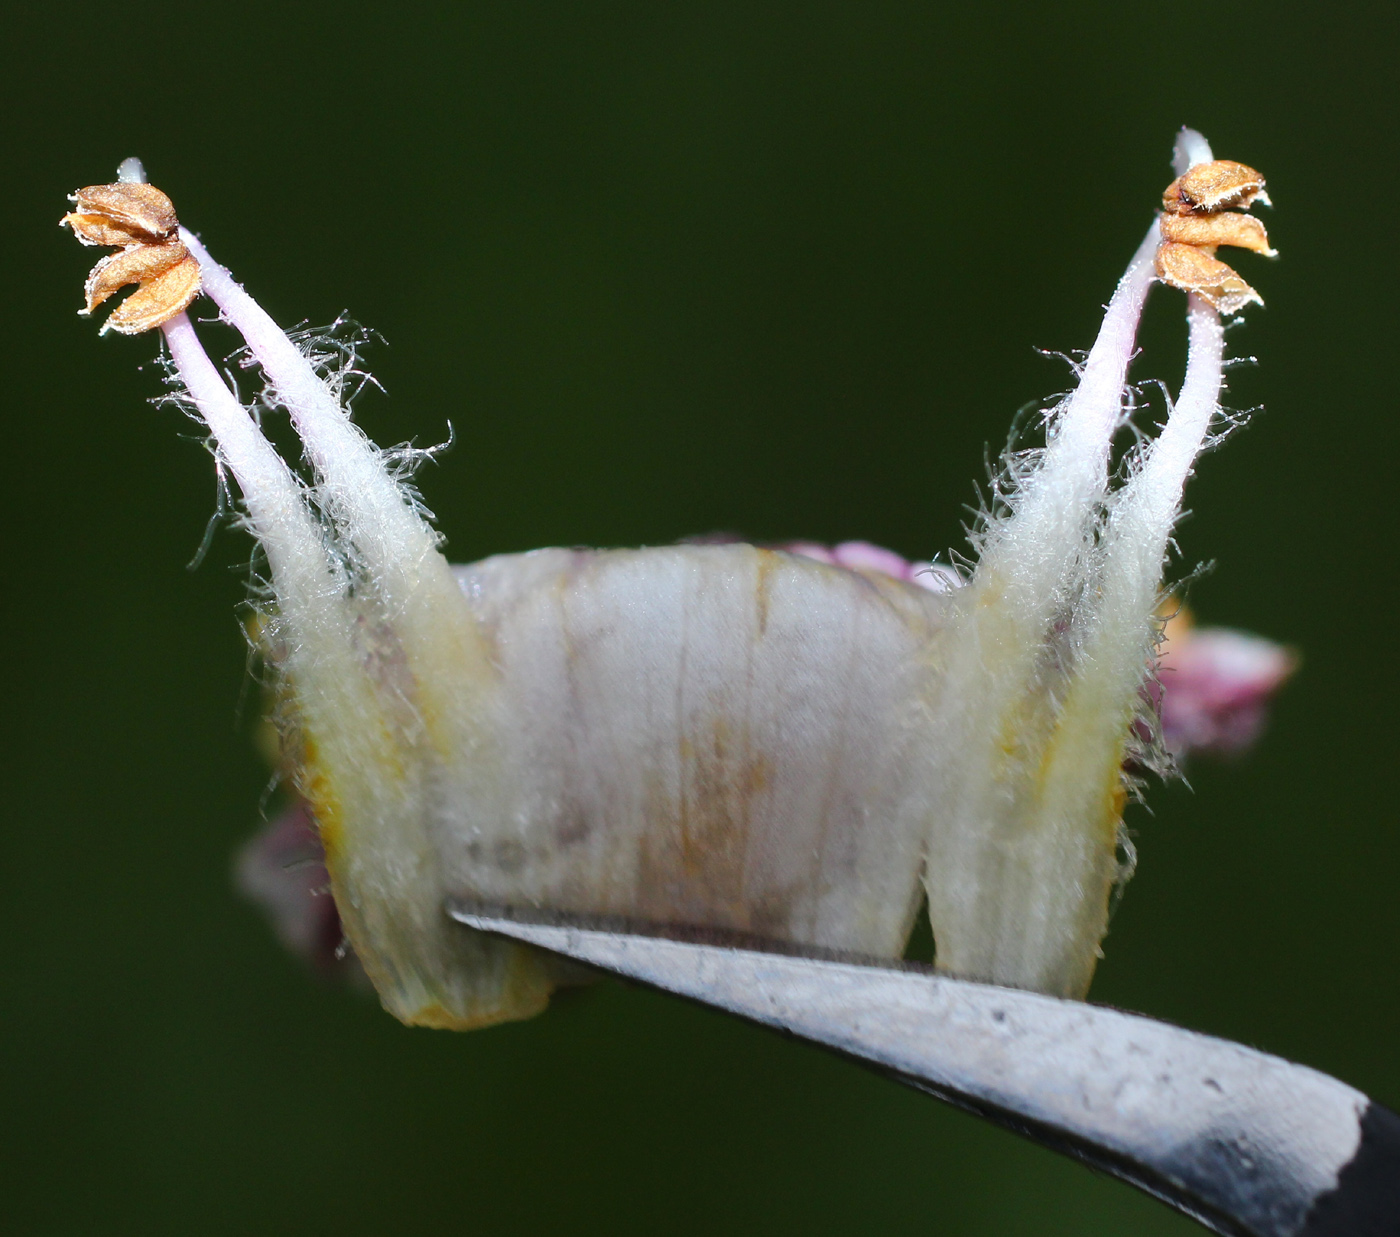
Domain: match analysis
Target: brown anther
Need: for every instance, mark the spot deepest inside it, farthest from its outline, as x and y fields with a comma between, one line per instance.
x=142, y=208
x=1226, y=228
x=1210, y=187
x=101, y=230
x=1193, y=270
x=138, y=220
x=156, y=300
x=134, y=265
x=1197, y=219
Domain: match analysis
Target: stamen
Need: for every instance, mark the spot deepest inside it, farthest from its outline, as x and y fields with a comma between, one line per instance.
x=1018, y=871
x=357, y=488
x=1061, y=492
x=390, y=675
x=277, y=507
x=1147, y=507
x=1046, y=673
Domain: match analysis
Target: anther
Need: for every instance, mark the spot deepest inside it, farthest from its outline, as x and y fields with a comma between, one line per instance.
x=1226, y=228
x=1219, y=185
x=1197, y=217
x=1193, y=270
x=138, y=220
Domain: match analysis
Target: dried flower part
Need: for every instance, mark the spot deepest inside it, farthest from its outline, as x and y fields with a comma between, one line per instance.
x=140, y=220
x=103, y=230
x=1197, y=219
x=156, y=300
x=1226, y=228
x=135, y=265
x=1219, y=185
x=1194, y=270
x=140, y=208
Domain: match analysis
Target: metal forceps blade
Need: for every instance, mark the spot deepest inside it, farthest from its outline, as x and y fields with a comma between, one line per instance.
x=1248, y=1144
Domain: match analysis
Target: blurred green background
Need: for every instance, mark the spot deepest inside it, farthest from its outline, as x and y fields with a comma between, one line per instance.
x=667, y=269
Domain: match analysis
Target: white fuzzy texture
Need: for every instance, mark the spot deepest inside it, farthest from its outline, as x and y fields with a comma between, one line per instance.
x=386, y=669
x=714, y=736
x=1052, y=649
x=1021, y=855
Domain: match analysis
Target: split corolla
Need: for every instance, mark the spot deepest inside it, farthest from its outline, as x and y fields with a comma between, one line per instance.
x=718, y=736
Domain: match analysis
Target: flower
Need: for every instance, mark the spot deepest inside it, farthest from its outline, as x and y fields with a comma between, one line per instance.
x=798, y=745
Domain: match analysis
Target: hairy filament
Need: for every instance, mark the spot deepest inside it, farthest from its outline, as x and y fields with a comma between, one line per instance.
x=1147, y=506
x=381, y=656
x=1046, y=675
x=1017, y=879
x=1058, y=500
x=389, y=534
x=276, y=502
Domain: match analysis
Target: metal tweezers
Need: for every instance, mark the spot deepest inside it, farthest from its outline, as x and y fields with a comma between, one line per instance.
x=1247, y=1144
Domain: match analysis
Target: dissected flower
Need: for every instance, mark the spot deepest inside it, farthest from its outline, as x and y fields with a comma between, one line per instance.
x=1211, y=692
x=799, y=746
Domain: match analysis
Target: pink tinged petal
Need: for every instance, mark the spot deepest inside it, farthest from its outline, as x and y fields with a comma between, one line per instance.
x=865, y=556
x=809, y=549
x=1217, y=686
x=283, y=870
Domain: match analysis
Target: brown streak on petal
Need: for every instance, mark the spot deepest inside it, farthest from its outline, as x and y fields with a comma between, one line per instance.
x=763, y=589
x=692, y=864
x=156, y=301
x=1227, y=228
x=136, y=265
